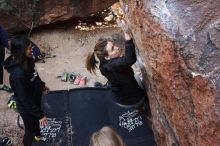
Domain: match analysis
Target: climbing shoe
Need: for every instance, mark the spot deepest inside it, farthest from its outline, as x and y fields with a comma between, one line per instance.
x=37, y=138
x=64, y=77
x=82, y=82
x=5, y=141
x=98, y=84
x=72, y=77
x=6, y=88
x=11, y=102
x=77, y=79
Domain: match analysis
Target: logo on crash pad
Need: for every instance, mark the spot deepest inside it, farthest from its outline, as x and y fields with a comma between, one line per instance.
x=130, y=120
x=51, y=129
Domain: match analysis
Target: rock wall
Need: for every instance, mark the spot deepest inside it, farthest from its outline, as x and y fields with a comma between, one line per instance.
x=179, y=43
x=19, y=15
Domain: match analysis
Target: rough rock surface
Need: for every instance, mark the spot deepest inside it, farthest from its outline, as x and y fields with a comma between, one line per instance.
x=19, y=15
x=179, y=44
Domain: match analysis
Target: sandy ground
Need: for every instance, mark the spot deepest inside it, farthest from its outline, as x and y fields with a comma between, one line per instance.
x=71, y=48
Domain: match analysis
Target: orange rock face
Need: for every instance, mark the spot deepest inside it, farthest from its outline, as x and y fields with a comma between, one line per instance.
x=179, y=44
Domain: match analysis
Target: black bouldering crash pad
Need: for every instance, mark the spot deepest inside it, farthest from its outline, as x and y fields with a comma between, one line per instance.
x=75, y=114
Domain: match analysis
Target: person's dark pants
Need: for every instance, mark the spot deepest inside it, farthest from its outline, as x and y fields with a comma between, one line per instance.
x=31, y=128
x=2, y=57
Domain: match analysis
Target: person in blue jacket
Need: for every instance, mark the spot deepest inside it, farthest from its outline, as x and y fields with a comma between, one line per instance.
x=3, y=45
x=27, y=86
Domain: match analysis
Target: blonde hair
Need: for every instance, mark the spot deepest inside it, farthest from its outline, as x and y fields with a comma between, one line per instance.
x=106, y=137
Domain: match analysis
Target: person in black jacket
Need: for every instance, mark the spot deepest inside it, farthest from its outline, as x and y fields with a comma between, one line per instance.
x=116, y=67
x=3, y=45
x=27, y=86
